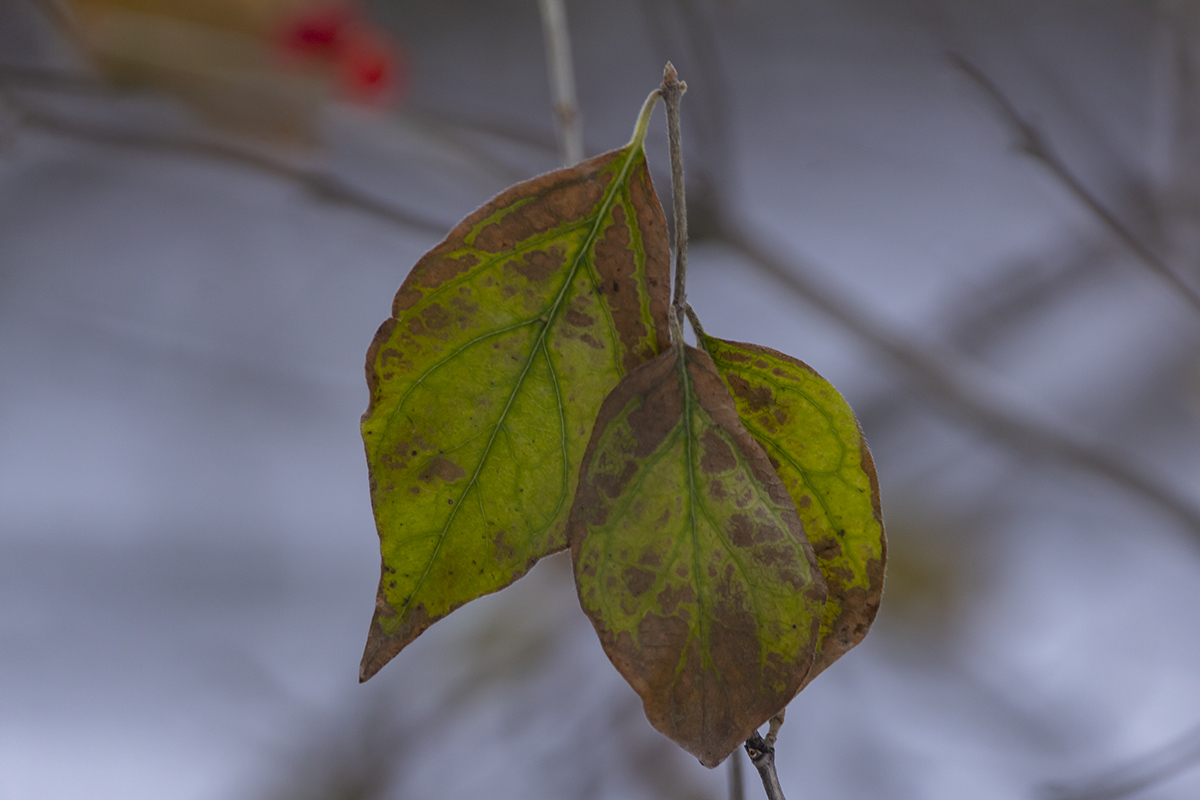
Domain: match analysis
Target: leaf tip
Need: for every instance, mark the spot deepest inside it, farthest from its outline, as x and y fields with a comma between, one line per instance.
x=380, y=649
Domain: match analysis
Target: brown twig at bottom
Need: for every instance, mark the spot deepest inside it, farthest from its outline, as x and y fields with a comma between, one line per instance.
x=762, y=756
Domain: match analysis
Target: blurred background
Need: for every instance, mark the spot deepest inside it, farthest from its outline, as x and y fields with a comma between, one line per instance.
x=980, y=220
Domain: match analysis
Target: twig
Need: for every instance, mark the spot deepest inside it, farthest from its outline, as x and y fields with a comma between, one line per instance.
x=562, y=79
x=323, y=185
x=981, y=316
x=762, y=756
x=1153, y=768
x=53, y=80
x=1034, y=144
x=672, y=90
x=694, y=321
x=950, y=383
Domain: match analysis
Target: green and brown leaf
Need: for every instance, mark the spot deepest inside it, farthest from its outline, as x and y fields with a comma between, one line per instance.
x=815, y=444
x=690, y=558
x=503, y=342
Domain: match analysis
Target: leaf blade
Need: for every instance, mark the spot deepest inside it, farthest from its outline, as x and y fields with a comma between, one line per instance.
x=815, y=443
x=690, y=559
x=530, y=311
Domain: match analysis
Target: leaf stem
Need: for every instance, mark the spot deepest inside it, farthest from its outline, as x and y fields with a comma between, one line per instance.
x=643, y=120
x=697, y=328
x=773, y=726
x=672, y=90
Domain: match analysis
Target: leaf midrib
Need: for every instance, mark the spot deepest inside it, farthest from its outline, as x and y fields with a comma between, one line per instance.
x=538, y=346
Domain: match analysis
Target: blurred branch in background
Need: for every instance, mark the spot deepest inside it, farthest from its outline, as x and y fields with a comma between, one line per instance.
x=561, y=70
x=952, y=385
x=684, y=33
x=1033, y=143
x=960, y=389
x=1134, y=777
x=321, y=184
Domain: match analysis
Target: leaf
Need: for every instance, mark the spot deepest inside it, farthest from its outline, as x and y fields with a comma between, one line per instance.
x=690, y=559
x=503, y=342
x=814, y=441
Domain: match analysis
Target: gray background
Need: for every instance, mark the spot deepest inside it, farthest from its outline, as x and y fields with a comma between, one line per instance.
x=187, y=556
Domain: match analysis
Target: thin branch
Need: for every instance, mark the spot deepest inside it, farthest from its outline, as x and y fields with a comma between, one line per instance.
x=1034, y=144
x=449, y=132
x=672, y=90
x=319, y=183
x=982, y=315
x=1133, y=777
x=762, y=756
x=562, y=79
x=952, y=384
x=942, y=378
x=697, y=328
x=53, y=80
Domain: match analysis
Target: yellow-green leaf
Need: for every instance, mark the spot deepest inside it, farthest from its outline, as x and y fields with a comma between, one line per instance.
x=503, y=342
x=814, y=441
x=690, y=559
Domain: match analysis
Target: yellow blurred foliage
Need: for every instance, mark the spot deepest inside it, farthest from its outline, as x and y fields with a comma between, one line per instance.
x=221, y=57
x=252, y=17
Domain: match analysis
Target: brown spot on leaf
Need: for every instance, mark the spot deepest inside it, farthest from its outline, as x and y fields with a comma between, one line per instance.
x=559, y=196
x=650, y=558
x=613, y=485
x=464, y=305
x=717, y=456
x=578, y=319
x=756, y=398
x=435, y=317
x=505, y=550
x=651, y=422
x=538, y=265
x=615, y=259
x=678, y=597
x=443, y=469
x=741, y=530
x=637, y=581
x=388, y=356
x=440, y=270
x=406, y=298
x=828, y=548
